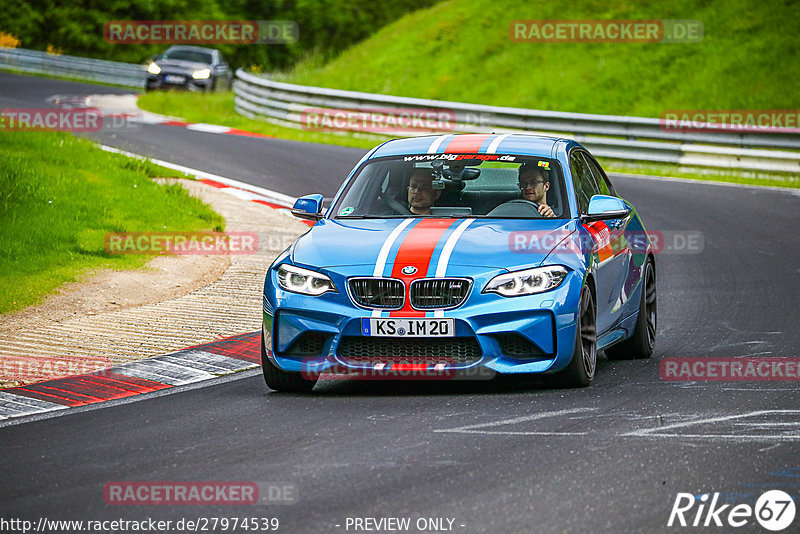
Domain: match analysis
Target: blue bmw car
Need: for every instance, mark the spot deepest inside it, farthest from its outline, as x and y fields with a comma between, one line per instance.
x=456, y=254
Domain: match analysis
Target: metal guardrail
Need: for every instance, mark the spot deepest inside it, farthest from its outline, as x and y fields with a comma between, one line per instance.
x=99, y=70
x=617, y=137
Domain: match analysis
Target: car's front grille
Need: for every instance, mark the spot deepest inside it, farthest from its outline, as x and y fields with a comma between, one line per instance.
x=308, y=344
x=386, y=293
x=366, y=349
x=426, y=294
x=517, y=346
x=438, y=292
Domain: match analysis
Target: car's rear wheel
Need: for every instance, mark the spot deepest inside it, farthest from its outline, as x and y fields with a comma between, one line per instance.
x=281, y=380
x=641, y=344
x=580, y=371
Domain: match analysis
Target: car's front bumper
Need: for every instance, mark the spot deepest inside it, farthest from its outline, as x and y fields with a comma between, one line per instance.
x=529, y=334
x=170, y=80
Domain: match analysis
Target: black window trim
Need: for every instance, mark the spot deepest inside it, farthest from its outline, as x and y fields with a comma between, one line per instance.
x=592, y=159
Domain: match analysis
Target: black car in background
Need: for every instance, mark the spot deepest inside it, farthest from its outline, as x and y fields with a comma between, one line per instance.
x=189, y=67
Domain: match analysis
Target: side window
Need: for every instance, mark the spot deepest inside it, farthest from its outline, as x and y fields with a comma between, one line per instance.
x=599, y=177
x=585, y=186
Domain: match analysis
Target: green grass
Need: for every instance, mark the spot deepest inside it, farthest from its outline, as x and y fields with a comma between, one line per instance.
x=460, y=50
x=60, y=195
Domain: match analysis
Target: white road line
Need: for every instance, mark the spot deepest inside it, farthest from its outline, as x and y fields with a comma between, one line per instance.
x=662, y=431
x=477, y=429
x=209, y=128
x=735, y=438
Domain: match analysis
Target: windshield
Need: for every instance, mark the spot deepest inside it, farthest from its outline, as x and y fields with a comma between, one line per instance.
x=195, y=56
x=455, y=185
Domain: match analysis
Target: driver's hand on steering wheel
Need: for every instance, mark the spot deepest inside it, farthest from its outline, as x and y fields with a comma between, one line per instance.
x=546, y=211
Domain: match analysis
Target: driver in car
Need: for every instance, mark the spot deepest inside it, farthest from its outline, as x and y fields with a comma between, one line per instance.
x=421, y=194
x=534, y=182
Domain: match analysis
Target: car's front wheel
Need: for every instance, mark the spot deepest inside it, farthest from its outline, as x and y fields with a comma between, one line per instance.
x=280, y=380
x=580, y=371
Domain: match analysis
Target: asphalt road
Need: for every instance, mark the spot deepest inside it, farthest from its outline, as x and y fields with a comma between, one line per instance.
x=494, y=457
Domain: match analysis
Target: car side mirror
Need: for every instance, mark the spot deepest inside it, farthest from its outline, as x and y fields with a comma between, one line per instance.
x=605, y=207
x=308, y=207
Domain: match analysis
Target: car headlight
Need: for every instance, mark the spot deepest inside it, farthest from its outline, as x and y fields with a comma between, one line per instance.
x=527, y=282
x=152, y=68
x=299, y=280
x=202, y=74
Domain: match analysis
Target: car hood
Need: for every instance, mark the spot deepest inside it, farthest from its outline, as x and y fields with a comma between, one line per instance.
x=489, y=243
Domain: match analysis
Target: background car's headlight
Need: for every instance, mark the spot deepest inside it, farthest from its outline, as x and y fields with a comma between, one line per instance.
x=527, y=282
x=152, y=68
x=299, y=280
x=202, y=74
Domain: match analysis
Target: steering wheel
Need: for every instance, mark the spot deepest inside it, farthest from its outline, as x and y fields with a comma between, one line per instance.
x=519, y=207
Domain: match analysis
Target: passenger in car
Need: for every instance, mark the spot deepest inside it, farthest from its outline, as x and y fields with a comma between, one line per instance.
x=421, y=194
x=534, y=182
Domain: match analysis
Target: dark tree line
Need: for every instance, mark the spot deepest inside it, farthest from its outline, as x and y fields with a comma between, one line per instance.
x=76, y=27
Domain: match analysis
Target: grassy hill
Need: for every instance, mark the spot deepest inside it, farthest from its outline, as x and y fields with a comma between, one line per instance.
x=460, y=50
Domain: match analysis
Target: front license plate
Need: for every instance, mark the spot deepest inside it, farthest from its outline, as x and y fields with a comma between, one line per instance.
x=399, y=327
x=171, y=78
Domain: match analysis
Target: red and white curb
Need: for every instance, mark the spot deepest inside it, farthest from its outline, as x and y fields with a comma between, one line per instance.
x=241, y=190
x=196, y=364
x=125, y=107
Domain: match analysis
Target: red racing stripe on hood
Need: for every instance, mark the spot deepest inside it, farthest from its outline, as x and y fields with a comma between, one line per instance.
x=416, y=251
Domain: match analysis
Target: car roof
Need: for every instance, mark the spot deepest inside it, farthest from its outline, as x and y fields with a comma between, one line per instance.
x=517, y=143
x=194, y=48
